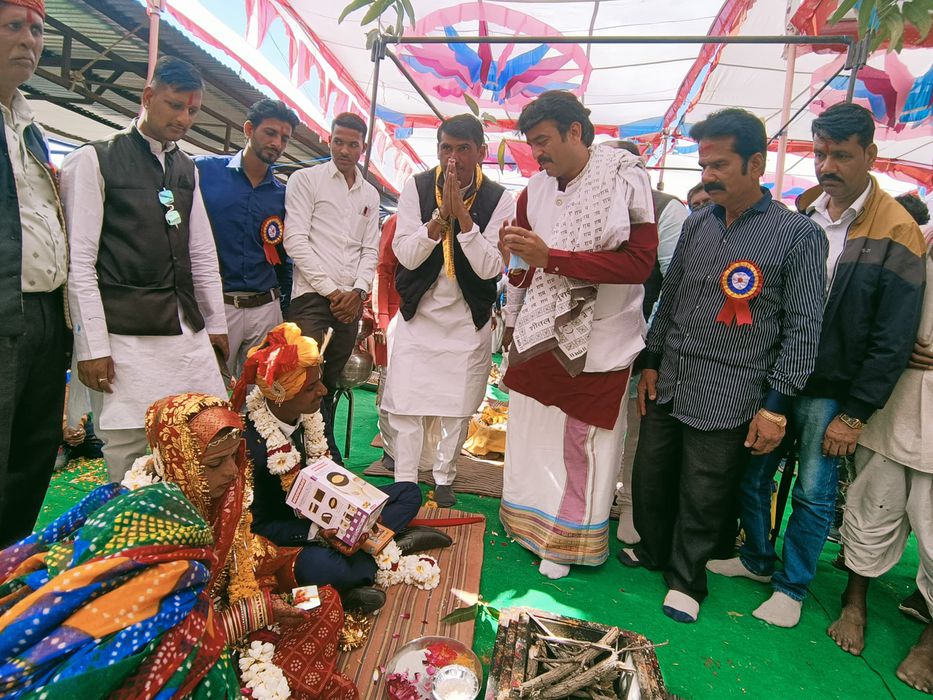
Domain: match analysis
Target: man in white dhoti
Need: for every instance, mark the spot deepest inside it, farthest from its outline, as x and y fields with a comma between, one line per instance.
x=448, y=266
x=585, y=228
x=145, y=292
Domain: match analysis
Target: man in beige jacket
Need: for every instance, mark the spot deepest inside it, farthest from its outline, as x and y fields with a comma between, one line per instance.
x=892, y=495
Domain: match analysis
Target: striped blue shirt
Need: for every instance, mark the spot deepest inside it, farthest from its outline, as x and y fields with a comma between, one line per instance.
x=716, y=376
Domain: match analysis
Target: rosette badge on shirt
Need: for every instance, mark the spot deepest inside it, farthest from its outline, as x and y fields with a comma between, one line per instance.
x=272, y=233
x=741, y=282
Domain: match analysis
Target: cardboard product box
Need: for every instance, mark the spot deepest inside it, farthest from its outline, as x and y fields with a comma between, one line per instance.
x=336, y=499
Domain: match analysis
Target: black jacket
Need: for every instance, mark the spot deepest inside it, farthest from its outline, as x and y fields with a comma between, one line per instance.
x=871, y=317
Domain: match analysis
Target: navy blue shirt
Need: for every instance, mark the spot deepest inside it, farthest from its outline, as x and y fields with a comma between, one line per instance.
x=237, y=211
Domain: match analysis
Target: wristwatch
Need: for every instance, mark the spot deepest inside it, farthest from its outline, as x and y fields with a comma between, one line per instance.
x=436, y=216
x=776, y=418
x=853, y=423
x=361, y=292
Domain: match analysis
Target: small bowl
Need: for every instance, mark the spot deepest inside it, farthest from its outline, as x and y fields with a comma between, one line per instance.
x=412, y=658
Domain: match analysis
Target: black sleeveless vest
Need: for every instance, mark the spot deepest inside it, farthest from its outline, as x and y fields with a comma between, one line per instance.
x=143, y=263
x=480, y=294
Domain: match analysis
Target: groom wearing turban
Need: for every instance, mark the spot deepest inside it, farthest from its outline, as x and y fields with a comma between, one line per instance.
x=284, y=432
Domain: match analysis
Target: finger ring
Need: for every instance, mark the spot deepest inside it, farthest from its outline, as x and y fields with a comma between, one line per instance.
x=101, y=380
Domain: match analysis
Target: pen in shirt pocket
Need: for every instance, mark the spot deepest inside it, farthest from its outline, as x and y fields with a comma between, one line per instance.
x=365, y=211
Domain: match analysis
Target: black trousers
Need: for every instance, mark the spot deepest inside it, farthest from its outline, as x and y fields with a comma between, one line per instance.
x=32, y=400
x=685, y=486
x=311, y=312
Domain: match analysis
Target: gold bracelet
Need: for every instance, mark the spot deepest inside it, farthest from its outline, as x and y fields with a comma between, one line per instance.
x=775, y=418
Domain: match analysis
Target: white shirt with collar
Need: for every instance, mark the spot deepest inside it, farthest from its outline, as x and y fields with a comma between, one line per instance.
x=45, y=250
x=331, y=231
x=836, y=231
x=146, y=368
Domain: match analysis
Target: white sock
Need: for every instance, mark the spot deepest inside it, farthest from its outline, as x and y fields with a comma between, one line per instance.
x=626, y=531
x=680, y=607
x=734, y=567
x=780, y=610
x=552, y=569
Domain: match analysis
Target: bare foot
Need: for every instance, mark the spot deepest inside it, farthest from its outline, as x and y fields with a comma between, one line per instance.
x=849, y=630
x=916, y=670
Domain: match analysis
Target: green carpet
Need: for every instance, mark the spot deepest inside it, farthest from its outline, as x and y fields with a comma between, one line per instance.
x=726, y=654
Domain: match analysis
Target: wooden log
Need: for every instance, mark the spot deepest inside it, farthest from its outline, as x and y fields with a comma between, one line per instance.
x=606, y=669
x=563, y=670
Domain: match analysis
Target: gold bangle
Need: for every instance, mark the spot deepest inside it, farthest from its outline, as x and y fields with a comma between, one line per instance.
x=775, y=418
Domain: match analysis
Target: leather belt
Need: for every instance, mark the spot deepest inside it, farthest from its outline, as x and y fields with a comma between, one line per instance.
x=250, y=300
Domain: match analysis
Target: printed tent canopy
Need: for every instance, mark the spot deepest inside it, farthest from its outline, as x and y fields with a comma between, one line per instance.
x=298, y=50
x=897, y=88
x=330, y=64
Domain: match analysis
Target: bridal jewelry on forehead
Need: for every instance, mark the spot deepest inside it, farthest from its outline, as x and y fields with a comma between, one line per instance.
x=234, y=434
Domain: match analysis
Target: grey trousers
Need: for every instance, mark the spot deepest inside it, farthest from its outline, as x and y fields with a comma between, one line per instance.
x=247, y=328
x=121, y=447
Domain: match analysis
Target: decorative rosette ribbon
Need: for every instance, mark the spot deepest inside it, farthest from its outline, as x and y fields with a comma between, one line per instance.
x=272, y=232
x=741, y=282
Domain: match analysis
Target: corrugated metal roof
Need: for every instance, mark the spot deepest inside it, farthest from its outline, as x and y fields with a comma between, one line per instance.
x=93, y=69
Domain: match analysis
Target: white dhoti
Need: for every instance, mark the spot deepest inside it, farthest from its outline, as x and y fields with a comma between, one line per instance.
x=559, y=482
x=438, y=367
x=885, y=502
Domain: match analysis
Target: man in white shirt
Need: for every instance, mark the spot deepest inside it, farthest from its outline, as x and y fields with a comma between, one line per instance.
x=448, y=268
x=33, y=265
x=145, y=297
x=332, y=237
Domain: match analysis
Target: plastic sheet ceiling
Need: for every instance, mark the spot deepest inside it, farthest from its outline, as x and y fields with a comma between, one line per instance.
x=300, y=52
x=897, y=88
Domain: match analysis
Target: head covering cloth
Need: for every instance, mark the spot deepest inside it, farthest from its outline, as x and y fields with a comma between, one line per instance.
x=37, y=5
x=278, y=365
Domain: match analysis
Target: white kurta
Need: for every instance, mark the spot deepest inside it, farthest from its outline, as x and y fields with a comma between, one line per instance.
x=146, y=368
x=438, y=361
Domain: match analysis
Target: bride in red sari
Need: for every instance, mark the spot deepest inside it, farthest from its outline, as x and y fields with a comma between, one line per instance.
x=197, y=443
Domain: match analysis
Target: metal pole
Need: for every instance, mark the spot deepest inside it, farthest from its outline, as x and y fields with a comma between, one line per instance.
x=378, y=53
x=410, y=78
x=855, y=59
x=776, y=39
x=154, y=10
x=785, y=113
x=664, y=138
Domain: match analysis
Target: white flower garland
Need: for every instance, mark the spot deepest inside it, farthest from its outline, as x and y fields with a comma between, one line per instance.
x=417, y=570
x=264, y=679
x=146, y=470
x=282, y=455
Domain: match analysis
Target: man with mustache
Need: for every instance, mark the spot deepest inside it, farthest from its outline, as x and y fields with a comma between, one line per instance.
x=246, y=206
x=875, y=278
x=585, y=228
x=734, y=338
x=332, y=237
x=33, y=267
x=448, y=266
x=145, y=290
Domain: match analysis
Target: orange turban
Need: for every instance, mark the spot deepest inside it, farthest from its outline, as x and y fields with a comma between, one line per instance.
x=278, y=365
x=37, y=5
